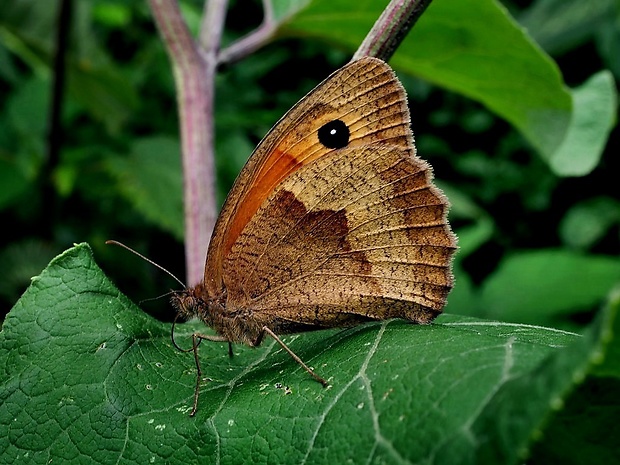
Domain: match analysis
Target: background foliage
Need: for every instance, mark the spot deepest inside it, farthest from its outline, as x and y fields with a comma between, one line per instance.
x=536, y=208
x=528, y=234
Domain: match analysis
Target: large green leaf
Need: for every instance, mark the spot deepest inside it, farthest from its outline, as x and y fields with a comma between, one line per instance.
x=87, y=377
x=479, y=51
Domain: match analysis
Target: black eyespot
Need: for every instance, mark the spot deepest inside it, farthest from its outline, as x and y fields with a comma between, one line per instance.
x=334, y=135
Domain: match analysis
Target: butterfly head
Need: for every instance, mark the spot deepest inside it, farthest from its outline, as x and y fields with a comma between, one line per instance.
x=190, y=303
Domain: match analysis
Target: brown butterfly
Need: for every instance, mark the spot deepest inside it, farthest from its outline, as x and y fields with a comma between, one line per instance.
x=333, y=221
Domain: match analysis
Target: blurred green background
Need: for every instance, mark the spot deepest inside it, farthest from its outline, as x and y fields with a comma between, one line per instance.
x=537, y=245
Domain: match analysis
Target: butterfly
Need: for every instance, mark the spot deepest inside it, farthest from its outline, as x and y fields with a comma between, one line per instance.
x=333, y=221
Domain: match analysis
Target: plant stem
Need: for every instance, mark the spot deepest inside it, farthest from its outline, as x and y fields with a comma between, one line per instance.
x=391, y=28
x=212, y=26
x=194, y=73
x=254, y=40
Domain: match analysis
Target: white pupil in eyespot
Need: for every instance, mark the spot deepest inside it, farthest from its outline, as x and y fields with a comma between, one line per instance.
x=334, y=134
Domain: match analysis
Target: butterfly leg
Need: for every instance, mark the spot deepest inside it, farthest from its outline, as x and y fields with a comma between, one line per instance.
x=195, y=343
x=196, y=340
x=293, y=354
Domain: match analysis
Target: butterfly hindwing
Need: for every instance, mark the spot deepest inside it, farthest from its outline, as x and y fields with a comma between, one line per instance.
x=360, y=233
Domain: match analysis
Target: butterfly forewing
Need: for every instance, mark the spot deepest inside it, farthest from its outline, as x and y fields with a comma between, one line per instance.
x=293, y=144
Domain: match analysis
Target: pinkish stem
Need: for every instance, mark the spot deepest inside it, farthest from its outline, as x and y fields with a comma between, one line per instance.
x=194, y=73
x=254, y=40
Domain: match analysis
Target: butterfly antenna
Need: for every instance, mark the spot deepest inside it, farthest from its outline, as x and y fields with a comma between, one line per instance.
x=158, y=297
x=147, y=260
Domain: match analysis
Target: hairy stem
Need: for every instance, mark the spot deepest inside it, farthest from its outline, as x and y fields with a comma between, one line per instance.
x=391, y=28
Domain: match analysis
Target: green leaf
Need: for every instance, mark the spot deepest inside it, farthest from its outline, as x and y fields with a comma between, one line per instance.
x=103, y=90
x=150, y=178
x=588, y=221
x=542, y=286
x=520, y=410
x=606, y=361
x=481, y=52
x=88, y=377
x=593, y=117
x=558, y=25
x=571, y=437
x=113, y=14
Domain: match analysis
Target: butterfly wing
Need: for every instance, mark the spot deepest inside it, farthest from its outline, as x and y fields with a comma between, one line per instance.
x=364, y=94
x=360, y=233
x=316, y=235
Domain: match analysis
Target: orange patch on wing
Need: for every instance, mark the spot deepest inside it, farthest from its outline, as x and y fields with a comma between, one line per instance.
x=273, y=172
